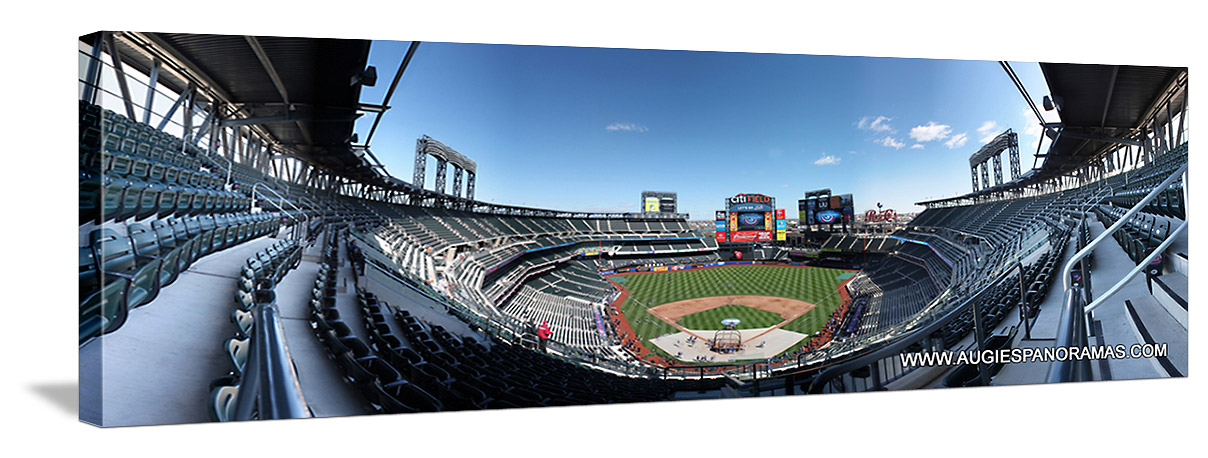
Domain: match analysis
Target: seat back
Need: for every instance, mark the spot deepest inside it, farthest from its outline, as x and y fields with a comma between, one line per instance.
x=114, y=252
x=90, y=277
x=144, y=240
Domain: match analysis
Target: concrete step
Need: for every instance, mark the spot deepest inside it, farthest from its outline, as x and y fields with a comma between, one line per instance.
x=1154, y=325
x=1171, y=292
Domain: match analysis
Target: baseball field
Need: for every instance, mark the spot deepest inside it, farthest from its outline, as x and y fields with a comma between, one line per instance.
x=798, y=299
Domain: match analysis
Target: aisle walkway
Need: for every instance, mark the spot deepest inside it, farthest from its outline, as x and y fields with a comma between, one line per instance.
x=158, y=367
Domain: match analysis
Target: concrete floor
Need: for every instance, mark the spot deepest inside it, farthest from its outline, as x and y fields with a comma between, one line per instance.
x=157, y=368
x=322, y=381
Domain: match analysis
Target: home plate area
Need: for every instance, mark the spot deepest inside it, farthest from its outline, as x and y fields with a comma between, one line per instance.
x=684, y=347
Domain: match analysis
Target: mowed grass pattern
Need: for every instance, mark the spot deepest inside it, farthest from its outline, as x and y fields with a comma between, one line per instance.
x=751, y=318
x=810, y=284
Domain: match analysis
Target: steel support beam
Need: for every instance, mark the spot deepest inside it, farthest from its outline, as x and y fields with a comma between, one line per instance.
x=421, y=163
x=470, y=186
x=267, y=64
x=121, y=76
x=175, y=105
x=289, y=117
x=985, y=174
x=1182, y=116
x=92, y=77
x=441, y=165
x=151, y=83
x=997, y=169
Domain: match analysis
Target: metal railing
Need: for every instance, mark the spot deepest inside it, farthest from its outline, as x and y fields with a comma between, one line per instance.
x=269, y=388
x=896, y=346
x=1071, y=333
x=1069, y=266
x=291, y=216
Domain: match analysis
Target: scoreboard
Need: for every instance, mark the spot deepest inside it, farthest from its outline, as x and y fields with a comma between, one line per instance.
x=750, y=218
x=826, y=209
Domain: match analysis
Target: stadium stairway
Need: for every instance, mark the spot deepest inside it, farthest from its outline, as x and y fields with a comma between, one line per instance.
x=181, y=329
x=323, y=385
x=1127, y=324
x=1044, y=331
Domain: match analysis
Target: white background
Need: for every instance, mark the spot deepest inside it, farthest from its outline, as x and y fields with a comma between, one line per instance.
x=39, y=112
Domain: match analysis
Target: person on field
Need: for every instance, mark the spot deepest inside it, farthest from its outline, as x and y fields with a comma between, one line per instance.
x=543, y=335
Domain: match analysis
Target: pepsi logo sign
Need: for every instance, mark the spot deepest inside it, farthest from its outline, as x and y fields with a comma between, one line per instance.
x=873, y=216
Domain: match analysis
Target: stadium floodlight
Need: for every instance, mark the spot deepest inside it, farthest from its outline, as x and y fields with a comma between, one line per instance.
x=366, y=77
x=1051, y=103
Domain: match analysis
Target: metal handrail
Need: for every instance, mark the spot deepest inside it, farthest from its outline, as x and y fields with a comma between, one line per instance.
x=896, y=347
x=1069, y=266
x=1140, y=266
x=297, y=236
x=270, y=387
x=1071, y=333
x=279, y=196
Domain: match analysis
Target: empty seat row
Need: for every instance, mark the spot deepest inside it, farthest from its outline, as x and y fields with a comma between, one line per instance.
x=107, y=198
x=1140, y=235
x=119, y=272
x=256, y=289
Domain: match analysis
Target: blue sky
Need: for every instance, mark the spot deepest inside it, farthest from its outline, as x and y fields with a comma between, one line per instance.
x=590, y=128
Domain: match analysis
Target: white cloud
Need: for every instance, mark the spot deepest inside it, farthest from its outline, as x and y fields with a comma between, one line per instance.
x=827, y=159
x=957, y=141
x=877, y=124
x=891, y=142
x=1033, y=126
x=930, y=132
x=625, y=126
x=989, y=130
x=784, y=186
x=916, y=146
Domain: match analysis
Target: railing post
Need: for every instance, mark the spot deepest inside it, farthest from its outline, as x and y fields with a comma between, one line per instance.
x=1023, y=308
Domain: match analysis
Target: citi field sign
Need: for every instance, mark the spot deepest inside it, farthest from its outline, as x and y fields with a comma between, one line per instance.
x=749, y=202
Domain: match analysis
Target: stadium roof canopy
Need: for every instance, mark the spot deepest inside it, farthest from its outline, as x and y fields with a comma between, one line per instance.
x=303, y=92
x=1101, y=106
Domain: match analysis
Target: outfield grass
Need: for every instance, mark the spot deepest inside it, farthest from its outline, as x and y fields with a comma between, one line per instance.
x=710, y=320
x=813, y=284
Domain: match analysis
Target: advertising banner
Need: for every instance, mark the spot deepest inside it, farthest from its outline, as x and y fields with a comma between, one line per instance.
x=768, y=221
x=652, y=205
x=781, y=235
x=810, y=209
x=751, y=236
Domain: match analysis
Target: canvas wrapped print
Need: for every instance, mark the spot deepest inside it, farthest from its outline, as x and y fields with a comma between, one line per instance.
x=276, y=227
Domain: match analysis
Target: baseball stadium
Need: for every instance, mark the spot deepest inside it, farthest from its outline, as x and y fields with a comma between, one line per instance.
x=244, y=252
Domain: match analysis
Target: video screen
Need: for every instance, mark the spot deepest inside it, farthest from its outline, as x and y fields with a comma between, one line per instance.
x=753, y=221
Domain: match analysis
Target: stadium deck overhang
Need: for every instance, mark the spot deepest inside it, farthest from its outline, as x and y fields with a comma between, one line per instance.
x=1101, y=107
x=304, y=95
x=302, y=92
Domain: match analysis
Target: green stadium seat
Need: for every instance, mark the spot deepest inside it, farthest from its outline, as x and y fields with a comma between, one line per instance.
x=237, y=350
x=222, y=402
x=103, y=311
